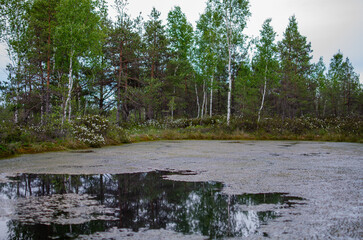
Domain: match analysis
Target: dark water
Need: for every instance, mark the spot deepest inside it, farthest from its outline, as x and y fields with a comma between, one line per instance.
x=65, y=206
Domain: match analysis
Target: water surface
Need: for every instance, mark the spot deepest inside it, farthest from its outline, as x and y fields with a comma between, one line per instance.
x=66, y=206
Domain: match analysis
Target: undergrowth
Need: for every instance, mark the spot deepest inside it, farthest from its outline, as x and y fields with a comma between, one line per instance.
x=96, y=131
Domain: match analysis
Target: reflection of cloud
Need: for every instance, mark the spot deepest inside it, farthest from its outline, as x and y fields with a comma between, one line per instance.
x=61, y=209
x=245, y=222
x=232, y=219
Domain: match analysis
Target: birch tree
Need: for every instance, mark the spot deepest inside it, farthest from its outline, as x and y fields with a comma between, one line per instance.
x=208, y=40
x=265, y=62
x=13, y=31
x=234, y=14
x=77, y=35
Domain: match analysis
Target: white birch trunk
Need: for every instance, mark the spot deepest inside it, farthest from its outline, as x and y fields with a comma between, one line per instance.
x=69, y=111
x=196, y=93
x=206, y=103
x=263, y=96
x=229, y=67
x=203, y=104
x=16, y=114
x=211, y=97
x=70, y=86
x=229, y=85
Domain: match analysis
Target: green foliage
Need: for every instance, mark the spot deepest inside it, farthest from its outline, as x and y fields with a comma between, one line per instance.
x=116, y=135
x=96, y=131
x=295, y=55
x=342, y=87
x=304, y=125
x=180, y=33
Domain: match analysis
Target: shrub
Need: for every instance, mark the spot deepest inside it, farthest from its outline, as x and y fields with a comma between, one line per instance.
x=95, y=131
x=116, y=135
x=90, y=129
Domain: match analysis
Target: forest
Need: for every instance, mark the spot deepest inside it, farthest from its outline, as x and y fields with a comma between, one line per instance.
x=77, y=78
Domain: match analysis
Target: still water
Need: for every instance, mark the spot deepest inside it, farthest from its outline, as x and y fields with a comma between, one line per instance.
x=66, y=206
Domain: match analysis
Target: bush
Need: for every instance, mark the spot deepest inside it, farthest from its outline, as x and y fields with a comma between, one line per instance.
x=116, y=135
x=90, y=129
x=96, y=131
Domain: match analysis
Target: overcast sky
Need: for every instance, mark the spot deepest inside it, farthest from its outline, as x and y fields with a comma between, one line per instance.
x=330, y=25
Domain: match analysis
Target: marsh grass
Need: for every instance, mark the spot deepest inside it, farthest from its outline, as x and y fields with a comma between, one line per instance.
x=36, y=139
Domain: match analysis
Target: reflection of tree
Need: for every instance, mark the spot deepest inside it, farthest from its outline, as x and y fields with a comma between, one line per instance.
x=145, y=200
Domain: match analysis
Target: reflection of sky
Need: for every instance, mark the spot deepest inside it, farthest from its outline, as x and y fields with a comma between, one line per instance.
x=6, y=209
x=182, y=207
x=241, y=222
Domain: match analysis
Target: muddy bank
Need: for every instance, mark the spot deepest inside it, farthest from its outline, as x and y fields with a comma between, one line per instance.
x=327, y=175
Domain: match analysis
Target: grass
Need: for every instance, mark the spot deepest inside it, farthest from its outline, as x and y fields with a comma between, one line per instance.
x=306, y=129
x=208, y=134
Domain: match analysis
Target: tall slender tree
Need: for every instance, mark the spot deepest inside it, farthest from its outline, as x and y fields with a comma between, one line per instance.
x=295, y=55
x=14, y=27
x=265, y=61
x=77, y=35
x=125, y=42
x=234, y=14
x=344, y=86
x=156, y=54
x=180, y=36
x=319, y=77
x=209, y=52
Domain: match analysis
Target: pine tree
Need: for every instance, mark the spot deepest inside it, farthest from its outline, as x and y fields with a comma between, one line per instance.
x=344, y=86
x=156, y=54
x=295, y=56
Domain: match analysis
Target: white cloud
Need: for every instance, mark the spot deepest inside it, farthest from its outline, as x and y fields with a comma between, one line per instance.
x=329, y=25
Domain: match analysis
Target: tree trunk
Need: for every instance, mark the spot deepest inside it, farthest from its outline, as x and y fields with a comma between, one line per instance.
x=124, y=102
x=118, y=113
x=229, y=68
x=101, y=101
x=47, y=100
x=203, y=104
x=153, y=58
x=42, y=97
x=69, y=111
x=263, y=96
x=211, y=97
x=198, y=105
x=70, y=86
x=229, y=86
